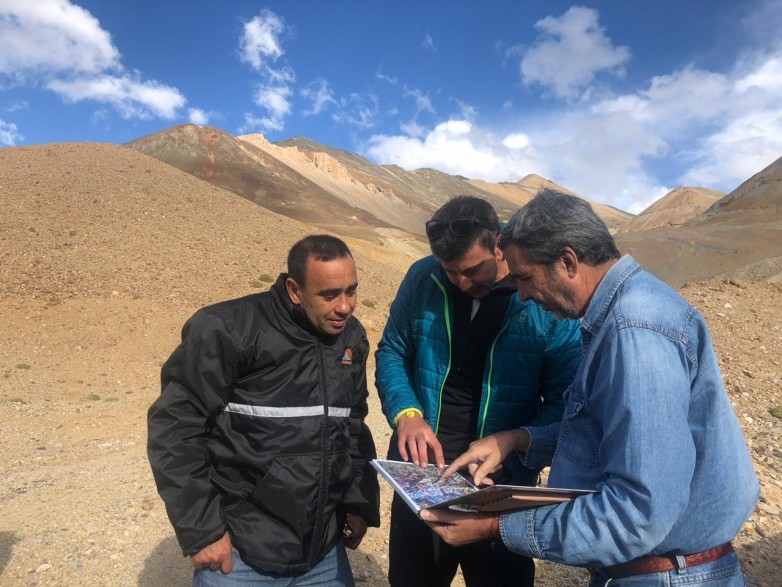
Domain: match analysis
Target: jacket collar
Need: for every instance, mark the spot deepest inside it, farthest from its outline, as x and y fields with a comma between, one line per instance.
x=293, y=311
x=604, y=295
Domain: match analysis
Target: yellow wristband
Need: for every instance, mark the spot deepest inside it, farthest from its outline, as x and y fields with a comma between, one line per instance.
x=409, y=412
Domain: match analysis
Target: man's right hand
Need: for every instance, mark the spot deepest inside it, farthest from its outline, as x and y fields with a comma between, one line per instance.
x=486, y=454
x=416, y=439
x=216, y=556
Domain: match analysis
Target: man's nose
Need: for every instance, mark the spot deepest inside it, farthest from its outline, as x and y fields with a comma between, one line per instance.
x=343, y=305
x=523, y=294
x=464, y=283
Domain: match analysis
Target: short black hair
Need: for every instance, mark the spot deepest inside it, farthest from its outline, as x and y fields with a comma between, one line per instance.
x=321, y=247
x=449, y=247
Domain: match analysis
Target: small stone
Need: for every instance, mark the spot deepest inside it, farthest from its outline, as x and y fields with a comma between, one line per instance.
x=43, y=567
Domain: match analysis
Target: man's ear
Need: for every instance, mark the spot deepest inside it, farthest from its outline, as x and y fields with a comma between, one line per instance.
x=570, y=261
x=500, y=254
x=294, y=290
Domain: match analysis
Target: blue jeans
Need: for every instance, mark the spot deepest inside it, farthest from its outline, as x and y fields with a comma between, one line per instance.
x=332, y=571
x=724, y=572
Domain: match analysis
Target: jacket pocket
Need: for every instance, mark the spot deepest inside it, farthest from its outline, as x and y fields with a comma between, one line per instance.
x=274, y=523
x=578, y=441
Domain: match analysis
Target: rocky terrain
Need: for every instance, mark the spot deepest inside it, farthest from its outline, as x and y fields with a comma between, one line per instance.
x=104, y=252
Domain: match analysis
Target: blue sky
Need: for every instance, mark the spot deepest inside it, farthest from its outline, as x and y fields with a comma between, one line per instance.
x=620, y=101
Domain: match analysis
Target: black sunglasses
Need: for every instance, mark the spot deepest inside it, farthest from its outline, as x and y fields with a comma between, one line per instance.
x=459, y=227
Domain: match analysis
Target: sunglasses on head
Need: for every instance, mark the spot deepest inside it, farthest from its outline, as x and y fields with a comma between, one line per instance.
x=459, y=227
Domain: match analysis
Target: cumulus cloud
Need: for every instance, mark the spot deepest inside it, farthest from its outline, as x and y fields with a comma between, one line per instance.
x=260, y=41
x=573, y=49
x=690, y=126
x=456, y=147
x=261, y=47
x=63, y=48
x=198, y=116
x=52, y=37
x=9, y=135
x=130, y=97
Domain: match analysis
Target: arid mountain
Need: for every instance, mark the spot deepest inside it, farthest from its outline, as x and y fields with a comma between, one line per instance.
x=674, y=209
x=757, y=199
x=739, y=235
x=332, y=188
x=244, y=169
x=105, y=252
x=528, y=187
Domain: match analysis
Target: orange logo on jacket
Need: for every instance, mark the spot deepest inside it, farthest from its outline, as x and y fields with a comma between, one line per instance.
x=347, y=358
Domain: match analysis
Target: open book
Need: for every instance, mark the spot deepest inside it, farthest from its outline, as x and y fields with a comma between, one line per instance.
x=423, y=487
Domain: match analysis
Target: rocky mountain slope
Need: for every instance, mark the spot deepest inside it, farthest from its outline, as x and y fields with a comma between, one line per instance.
x=739, y=235
x=674, y=209
x=332, y=188
x=104, y=253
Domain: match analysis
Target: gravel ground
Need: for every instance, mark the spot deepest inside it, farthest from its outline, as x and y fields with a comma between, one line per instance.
x=104, y=254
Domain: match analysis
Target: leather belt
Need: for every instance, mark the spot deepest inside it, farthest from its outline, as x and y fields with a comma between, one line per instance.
x=659, y=564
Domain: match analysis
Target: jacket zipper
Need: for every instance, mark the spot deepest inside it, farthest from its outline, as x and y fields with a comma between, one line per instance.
x=488, y=378
x=447, y=313
x=324, y=462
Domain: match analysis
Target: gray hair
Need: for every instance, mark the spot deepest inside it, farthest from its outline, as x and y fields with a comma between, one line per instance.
x=552, y=221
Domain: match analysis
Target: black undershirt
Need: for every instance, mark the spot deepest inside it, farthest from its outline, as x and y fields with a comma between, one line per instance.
x=470, y=343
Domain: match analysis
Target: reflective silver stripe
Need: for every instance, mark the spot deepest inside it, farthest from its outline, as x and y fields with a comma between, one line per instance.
x=293, y=412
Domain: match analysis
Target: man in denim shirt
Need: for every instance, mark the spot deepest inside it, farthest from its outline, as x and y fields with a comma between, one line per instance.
x=647, y=425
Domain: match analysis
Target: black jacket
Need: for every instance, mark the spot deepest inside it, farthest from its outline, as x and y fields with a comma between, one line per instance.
x=260, y=431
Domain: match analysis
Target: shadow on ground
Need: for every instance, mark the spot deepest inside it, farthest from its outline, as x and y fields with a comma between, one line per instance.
x=166, y=566
x=7, y=541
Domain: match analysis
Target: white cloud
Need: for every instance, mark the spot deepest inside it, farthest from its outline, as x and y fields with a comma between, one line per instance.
x=9, y=135
x=456, y=147
x=428, y=43
x=320, y=94
x=516, y=141
x=198, y=116
x=260, y=39
x=572, y=51
x=274, y=100
x=132, y=98
x=62, y=47
x=260, y=46
x=52, y=37
x=253, y=124
x=358, y=110
x=389, y=79
x=18, y=105
x=741, y=149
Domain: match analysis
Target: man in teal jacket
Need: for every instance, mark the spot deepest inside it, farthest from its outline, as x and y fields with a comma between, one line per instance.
x=462, y=357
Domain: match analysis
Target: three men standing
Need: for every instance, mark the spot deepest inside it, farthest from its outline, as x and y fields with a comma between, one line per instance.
x=462, y=357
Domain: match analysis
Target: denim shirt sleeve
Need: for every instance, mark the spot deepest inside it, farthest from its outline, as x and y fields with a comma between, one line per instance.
x=542, y=443
x=636, y=411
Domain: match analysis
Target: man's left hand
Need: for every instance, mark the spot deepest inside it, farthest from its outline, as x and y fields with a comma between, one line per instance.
x=355, y=527
x=459, y=528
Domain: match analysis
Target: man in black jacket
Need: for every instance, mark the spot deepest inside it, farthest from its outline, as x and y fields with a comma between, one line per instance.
x=258, y=443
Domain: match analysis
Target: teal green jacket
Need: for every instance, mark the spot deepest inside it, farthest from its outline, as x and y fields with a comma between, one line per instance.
x=532, y=360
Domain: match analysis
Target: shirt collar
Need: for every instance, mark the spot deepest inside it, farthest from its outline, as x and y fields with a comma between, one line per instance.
x=606, y=291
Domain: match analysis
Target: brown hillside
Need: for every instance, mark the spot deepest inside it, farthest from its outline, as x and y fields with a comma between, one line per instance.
x=739, y=235
x=759, y=199
x=104, y=252
x=674, y=209
x=244, y=169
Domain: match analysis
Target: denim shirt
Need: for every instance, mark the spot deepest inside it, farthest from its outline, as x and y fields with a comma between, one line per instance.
x=649, y=427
